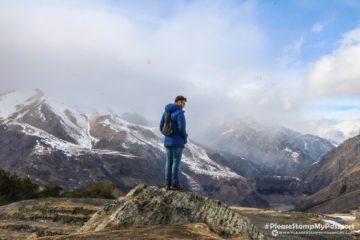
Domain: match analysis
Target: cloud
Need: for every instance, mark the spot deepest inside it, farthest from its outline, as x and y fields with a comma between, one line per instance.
x=136, y=57
x=88, y=51
x=319, y=26
x=111, y=57
x=290, y=55
x=334, y=91
x=334, y=129
x=338, y=73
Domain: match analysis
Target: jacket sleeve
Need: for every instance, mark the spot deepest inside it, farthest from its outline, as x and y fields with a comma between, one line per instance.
x=181, y=122
x=162, y=121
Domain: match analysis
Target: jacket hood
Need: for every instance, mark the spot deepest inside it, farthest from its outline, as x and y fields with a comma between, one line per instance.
x=172, y=107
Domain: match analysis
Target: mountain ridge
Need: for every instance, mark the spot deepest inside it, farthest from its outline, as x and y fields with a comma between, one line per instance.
x=53, y=143
x=279, y=150
x=335, y=180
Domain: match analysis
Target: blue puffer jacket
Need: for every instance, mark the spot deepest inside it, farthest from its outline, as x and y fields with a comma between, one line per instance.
x=179, y=139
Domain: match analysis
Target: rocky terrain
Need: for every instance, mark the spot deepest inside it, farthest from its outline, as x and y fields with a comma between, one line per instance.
x=148, y=212
x=261, y=217
x=151, y=206
x=46, y=217
x=335, y=180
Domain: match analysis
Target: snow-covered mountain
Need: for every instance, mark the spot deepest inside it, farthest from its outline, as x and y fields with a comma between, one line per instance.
x=51, y=142
x=278, y=150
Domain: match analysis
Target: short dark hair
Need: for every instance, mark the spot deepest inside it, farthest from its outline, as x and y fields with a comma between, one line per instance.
x=180, y=98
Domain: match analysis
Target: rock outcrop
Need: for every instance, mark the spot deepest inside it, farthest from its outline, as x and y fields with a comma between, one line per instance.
x=149, y=205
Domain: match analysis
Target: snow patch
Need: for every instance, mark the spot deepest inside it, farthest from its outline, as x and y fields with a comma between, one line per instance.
x=294, y=155
x=346, y=217
x=76, y=124
x=332, y=222
x=11, y=102
x=200, y=163
x=194, y=186
x=48, y=143
x=228, y=131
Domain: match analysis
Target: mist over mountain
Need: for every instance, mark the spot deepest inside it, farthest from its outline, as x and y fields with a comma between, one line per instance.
x=124, y=61
x=280, y=150
x=50, y=142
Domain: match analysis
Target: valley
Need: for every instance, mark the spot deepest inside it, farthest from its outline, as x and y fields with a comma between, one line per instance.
x=264, y=174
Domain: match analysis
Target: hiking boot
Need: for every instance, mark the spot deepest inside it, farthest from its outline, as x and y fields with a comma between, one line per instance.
x=177, y=188
x=168, y=187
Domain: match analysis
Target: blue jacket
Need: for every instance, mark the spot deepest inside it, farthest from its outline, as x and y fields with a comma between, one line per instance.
x=179, y=139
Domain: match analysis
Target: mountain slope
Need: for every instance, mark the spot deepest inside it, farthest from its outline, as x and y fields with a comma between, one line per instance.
x=53, y=143
x=335, y=180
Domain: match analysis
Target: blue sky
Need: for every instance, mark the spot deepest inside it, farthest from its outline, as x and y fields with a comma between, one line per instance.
x=284, y=21
x=291, y=20
x=289, y=62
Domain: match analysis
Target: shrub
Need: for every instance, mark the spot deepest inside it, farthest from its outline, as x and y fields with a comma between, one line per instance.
x=102, y=190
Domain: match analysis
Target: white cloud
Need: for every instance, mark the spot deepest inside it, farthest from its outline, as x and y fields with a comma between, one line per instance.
x=97, y=56
x=338, y=73
x=334, y=129
x=118, y=58
x=319, y=26
x=334, y=90
x=90, y=55
x=290, y=55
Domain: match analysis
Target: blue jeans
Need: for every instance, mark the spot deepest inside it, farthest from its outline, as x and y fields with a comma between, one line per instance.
x=172, y=165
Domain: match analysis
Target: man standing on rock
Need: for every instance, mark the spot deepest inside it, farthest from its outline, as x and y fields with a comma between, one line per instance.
x=173, y=126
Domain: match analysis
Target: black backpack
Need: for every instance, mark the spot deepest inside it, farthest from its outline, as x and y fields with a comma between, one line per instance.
x=167, y=129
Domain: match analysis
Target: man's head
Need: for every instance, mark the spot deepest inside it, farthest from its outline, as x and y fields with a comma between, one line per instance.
x=180, y=101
